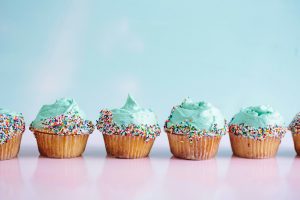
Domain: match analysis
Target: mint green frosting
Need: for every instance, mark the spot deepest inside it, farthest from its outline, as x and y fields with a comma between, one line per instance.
x=258, y=117
x=132, y=113
x=60, y=107
x=201, y=115
x=8, y=112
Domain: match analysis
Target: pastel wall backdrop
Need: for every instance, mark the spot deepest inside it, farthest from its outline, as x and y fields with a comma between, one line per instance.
x=230, y=53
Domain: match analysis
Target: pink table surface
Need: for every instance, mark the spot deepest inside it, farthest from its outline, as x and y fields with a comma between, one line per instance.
x=94, y=176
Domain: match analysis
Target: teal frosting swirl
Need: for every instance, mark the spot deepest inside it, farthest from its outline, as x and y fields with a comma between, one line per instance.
x=258, y=117
x=63, y=106
x=11, y=113
x=132, y=113
x=201, y=115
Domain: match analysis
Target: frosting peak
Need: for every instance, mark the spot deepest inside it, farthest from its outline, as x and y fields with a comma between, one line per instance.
x=188, y=103
x=131, y=104
x=132, y=113
x=258, y=117
x=259, y=110
x=131, y=119
x=59, y=107
x=201, y=115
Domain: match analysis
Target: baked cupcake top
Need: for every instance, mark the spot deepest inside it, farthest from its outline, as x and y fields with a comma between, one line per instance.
x=295, y=124
x=11, y=124
x=196, y=119
x=131, y=119
x=258, y=122
x=64, y=117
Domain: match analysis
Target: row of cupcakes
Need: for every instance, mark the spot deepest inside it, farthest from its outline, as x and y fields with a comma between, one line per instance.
x=194, y=131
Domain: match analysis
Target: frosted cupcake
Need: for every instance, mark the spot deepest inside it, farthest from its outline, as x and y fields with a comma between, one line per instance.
x=61, y=129
x=128, y=132
x=12, y=126
x=194, y=130
x=256, y=132
x=294, y=127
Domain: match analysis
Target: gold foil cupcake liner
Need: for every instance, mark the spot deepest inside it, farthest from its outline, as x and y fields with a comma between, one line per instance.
x=119, y=146
x=196, y=149
x=11, y=148
x=60, y=146
x=250, y=148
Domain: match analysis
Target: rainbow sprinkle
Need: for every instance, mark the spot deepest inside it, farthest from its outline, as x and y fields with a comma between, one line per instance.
x=106, y=126
x=185, y=128
x=67, y=124
x=295, y=124
x=10, y=125
x=257, y=133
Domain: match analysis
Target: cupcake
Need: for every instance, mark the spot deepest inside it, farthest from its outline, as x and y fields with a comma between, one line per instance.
x=128, y=132
x=256, y=132
x=61, y=129
x=12, y=126
x=294, y=127
x=194, y=130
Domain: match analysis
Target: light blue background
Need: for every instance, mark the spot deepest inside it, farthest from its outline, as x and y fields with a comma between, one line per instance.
x=231, y=53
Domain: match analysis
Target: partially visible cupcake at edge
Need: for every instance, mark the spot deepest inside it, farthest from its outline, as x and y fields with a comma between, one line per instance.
x=294, y=127
x=256, y=132
x=61, y=129
x=12, y=126
x=195, y=129
x=130, y=131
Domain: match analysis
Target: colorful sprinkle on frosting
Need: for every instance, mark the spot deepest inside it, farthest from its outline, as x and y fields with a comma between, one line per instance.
x=258, y=122
x=66, y=124
x=107, y=126
x=295, y=124
x=10, y=125
x=257, y=133
x=185, y=128
x=63, y=117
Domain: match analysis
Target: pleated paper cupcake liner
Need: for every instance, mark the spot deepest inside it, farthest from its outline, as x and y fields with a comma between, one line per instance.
x=11, y=148
x=127, y=146
x=250, y=148
x=57, y=146
x=296, y=138
x=198, y=149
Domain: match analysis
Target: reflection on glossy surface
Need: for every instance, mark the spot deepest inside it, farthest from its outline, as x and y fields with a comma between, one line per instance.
x=185, y=178
x=124, y=178
x=293, y=178
x=65, y=176
x=95, y=176
x=252, y=178
x=11, y=182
